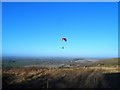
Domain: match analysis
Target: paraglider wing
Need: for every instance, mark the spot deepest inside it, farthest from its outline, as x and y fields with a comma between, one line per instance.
x=64, y=39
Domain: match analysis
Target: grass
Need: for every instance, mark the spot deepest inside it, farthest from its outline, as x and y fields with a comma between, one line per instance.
x=57, y=78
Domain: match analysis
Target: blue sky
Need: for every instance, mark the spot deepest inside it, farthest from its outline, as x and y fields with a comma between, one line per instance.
x=35, y=29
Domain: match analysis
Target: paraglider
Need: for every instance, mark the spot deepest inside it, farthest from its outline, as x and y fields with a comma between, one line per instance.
x=64, y=40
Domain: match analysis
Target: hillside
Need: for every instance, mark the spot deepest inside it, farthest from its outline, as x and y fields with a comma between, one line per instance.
x=100, y=74
x=114, y=62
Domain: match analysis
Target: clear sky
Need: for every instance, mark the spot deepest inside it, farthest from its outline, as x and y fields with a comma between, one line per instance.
x=35, y=29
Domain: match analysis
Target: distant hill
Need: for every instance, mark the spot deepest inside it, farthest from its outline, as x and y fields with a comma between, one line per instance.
x=107, y=62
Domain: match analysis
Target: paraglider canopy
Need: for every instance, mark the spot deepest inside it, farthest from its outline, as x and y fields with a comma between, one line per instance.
x=63, y=39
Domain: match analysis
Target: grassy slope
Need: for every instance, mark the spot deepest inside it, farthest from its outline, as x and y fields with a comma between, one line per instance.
x=59, y=78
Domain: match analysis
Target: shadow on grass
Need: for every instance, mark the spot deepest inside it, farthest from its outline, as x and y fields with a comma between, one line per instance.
x=113, y=79
x=7, y=80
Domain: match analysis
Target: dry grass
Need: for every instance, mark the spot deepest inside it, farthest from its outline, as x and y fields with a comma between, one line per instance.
x=90, y=77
